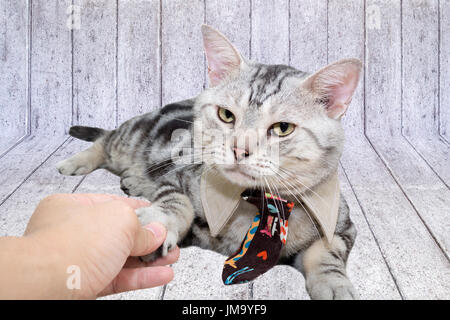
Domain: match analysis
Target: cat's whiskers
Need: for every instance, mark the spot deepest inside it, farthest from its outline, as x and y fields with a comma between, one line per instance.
x=168, y=162
x=291, y=175
x=270, y=190
x=307, y=200
x=279, y=195
x=279, y=177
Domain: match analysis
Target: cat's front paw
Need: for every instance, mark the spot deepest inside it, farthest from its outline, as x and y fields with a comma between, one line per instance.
x=72, y=167
x=324, y=287
x=153, y=214
x=169, y=244
x=132, y=185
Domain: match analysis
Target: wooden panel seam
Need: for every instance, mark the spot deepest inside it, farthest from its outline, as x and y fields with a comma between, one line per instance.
x=371, y=231
x=33, y=171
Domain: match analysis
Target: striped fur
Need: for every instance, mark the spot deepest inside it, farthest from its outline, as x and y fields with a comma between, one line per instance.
x=147, y=152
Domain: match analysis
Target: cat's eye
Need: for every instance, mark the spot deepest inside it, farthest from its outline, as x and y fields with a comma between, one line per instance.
x=282, y=129
x=225, y=115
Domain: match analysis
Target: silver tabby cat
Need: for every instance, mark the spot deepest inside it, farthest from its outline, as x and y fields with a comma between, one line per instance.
x=272, y=105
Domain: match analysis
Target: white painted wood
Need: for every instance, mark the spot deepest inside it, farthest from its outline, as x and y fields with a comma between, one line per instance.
x=346, y=40
x=383, y=74
x=308, y=34
x=444, y=72
x=51, y=68
x=420, y=67
x=100, y=181
x=183, y=73
x=94, y=58
x=20, y=162
x=429, y=195
x=13, y=72
x=436, y=153
x=421, y=84
x=270, y=31
x=383, y=120
x=16, y=210
x=198, y=276
x=404, y=241
x=402, y=186
x=232, y=18
x=139, y=77
x=280, y=283
x=366, y=266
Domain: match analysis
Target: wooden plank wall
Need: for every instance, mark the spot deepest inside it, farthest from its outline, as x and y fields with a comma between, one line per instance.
x=100, y=62
x=14, y=72
x=126, y=57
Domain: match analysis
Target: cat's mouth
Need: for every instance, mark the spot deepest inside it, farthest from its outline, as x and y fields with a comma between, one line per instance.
x=239, y=170
x=243, y=174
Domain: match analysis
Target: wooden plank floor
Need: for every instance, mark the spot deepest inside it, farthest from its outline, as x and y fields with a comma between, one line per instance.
x=399, y=204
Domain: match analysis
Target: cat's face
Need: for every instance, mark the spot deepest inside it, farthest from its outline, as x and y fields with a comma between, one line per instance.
x=271, y=126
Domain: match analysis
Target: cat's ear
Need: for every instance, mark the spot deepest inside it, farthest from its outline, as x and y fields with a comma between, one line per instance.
x=335, y=84
x=223, y=58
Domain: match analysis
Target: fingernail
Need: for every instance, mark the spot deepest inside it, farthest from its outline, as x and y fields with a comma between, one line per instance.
x=157, y=228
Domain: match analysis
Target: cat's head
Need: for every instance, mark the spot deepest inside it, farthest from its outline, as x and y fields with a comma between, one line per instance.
x=271, y=126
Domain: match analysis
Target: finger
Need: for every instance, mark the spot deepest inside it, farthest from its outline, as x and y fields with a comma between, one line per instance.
x=94, y=198
x=148, y=239
x=172, y=257
x=89, y=199
x=138, y=278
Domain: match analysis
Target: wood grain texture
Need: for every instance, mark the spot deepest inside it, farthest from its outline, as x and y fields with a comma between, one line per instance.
x=198, y=276
x=436, y=153
x=16, y=211
x=280, y=283
x=421, y=94
x=270, y=31
x=51, y=68
x=366, y=266
x=405, y=242
x=308, y=49
x=346, y=40
x=94, y=64
x=427, y=193
x=183, y=68
x=420, y=67
x=383, y=120
x=383, y=90
x=18, y=164
x=130, y=58
x=232, y=18
x=444, y=70
x=139, y=77
x=13, y=72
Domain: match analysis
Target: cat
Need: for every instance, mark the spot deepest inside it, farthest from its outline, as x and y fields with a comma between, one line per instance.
x=298, y=111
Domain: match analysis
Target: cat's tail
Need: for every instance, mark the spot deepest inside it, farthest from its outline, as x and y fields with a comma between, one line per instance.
x=87, y=133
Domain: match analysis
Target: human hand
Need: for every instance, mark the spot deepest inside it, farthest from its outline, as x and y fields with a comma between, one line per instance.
x=97, y=234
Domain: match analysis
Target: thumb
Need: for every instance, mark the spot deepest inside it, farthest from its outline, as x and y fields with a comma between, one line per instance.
x=148, y=238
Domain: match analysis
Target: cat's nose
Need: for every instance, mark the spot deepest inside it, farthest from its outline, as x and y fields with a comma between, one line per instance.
x=240, y=153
